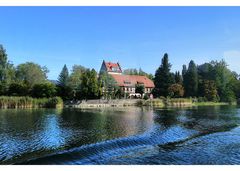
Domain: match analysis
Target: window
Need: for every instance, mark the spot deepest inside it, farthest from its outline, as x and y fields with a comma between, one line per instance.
x=114, y=69
x=127, y=82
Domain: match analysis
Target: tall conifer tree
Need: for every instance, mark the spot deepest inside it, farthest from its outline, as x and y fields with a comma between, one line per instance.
x=163, y=78
x=63, y=77
x=191, y=80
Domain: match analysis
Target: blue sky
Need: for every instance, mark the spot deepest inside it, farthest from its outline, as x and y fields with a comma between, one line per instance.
x=134, y=36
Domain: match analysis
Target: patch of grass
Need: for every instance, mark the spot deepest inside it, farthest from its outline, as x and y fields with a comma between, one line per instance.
x=210, y=103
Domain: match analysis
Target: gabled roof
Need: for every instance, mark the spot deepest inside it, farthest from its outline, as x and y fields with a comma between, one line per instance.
x=132, y=80
x=113, y=67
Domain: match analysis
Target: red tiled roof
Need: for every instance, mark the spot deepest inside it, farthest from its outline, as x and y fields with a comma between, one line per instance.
x=110, y=66
x=131, y=80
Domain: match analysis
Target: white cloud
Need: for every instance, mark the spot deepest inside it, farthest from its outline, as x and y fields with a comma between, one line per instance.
x=232, y=57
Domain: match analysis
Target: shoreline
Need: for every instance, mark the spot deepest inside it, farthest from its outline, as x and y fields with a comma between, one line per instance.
x=10, y=102
x=156, y=103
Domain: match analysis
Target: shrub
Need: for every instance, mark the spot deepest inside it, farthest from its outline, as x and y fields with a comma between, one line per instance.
x=139, y=88
x=146, y=97
x=44, y=90
x=18, y=89
x=202, y=99
x=176, y=90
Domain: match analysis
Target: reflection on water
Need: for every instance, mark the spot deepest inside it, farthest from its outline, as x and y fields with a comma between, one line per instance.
x=121, y=136
x=26, y=133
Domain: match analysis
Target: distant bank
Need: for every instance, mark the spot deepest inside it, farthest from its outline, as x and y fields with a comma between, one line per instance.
x=13, y=102
x=161, y=103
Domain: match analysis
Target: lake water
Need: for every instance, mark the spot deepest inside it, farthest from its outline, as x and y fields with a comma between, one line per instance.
x=203, y=135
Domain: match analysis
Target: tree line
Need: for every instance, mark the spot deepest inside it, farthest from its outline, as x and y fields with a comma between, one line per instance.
x=211, y=81
x=27, y=79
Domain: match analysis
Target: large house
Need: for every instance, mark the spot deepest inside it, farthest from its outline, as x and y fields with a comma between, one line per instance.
x=127, y=82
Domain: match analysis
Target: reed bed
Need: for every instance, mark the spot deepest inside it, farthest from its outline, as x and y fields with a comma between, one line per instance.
x=179, y=102
x=29, y=102
x=153, y=102
x=164, y=102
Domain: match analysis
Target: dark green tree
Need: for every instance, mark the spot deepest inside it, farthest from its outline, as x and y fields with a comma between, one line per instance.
x=184, y=70
x=178, y=78
x=18, y=89
x=163, y=78
x=139, y=88
x=205, y=72
x=210, y=90
x=44, y=90
x=63, y=90
x=191, y=80
x=7, y=71
x=3, y=63
x=118, y=92
x=63, y=76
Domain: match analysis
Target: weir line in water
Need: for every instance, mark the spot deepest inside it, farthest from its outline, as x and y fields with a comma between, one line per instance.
x=95, y=153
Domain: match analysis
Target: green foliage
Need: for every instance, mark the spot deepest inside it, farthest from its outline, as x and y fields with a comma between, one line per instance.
x=209, y=89
x=223, y=78
x=7, y=71
x=89, y=86
x=44, y=90
x=133, y=71
x=31, y=73
x=180, y=100
x=139, y=88
x=130, y=71
x=3, y=63
x=178, y=78
x=75, y=81
x=29, y=102
x=228, y=96
x=146, y=97
x=176, y=90
x=118, y=93
x=63, y=76
x=184, y=70
x=202, y=99
x=211, y=81
x=18, y=89
x=63, y=90
x=190, y=79
x=154, y=102
x=235, y=85
x=163, y=78
x=107, y=85
x=226, y=82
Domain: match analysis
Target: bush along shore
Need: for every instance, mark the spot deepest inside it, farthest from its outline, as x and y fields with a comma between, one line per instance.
x=15, y=102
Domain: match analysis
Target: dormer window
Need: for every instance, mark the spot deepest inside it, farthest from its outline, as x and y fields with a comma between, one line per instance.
x=114, y=69
x=127, y=82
